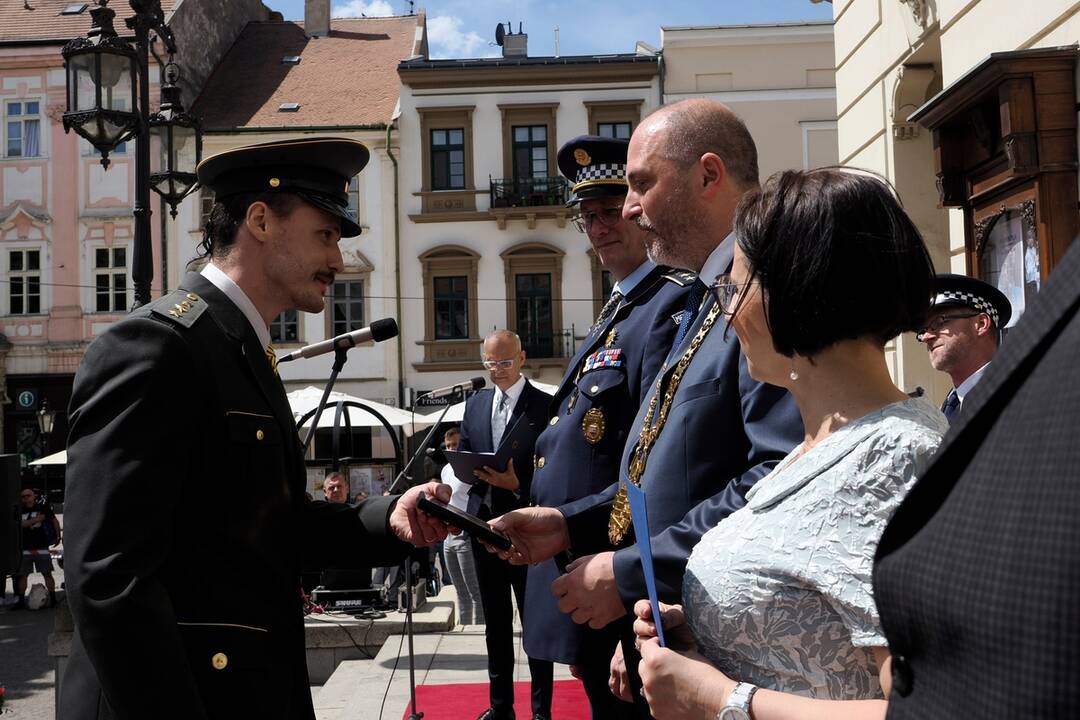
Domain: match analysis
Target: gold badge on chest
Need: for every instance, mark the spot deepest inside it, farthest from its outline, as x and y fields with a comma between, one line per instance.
x=593, y=426
x=611, y=337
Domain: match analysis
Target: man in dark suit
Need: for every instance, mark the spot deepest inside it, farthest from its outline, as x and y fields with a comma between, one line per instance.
x=962, y=332
x=185, y=609
x=707, y=431
x=977, y=575
x=491, y=415
x=594, y=407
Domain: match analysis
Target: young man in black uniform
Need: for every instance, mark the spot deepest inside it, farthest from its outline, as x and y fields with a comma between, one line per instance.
x=578, y=454
x=181, y=611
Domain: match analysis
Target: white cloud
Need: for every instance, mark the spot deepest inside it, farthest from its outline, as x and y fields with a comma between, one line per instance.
x=448, y=40
x=356, y=8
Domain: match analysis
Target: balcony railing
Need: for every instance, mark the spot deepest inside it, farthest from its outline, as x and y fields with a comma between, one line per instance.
x=528, y=192
x=543, y=346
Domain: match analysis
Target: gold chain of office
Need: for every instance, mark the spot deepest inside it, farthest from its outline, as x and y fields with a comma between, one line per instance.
x=620, y=520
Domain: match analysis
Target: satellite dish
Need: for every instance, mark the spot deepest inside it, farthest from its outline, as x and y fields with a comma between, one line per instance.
x=499, y=34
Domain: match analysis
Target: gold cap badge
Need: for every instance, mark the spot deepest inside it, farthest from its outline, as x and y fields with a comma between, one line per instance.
x=274, y=182
x=582, y=157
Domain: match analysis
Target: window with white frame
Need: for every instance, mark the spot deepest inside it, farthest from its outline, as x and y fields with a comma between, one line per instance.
x=285, y=328
x=354, y=198
x=22, y=128
x=110, y=279
x=206, y=204
x=346, y=306
x=618, y=130
x=24, y=281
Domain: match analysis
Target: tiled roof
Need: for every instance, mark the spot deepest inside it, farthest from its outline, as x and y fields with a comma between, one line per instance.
x=346, y=78
x=45, y=23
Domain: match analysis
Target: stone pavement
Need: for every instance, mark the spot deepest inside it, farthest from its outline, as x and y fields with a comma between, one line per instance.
x=26, y=670
x=379, y=689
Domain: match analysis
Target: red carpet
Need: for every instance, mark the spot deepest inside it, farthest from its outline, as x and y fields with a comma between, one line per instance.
x=467, y=701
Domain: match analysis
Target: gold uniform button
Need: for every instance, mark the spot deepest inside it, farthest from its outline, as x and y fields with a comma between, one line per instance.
x=259, y=434
x=540, y=463
x=219, y=661
x=594, y=388
x=554, y=420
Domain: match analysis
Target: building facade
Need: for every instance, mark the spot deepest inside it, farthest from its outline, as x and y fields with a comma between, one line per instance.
x=486, y=237
x=778, y=78
x=321, y=77
x=969, y=108
x=66, y=224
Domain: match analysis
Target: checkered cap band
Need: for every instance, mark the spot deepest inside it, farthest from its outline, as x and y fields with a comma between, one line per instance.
x=970, y=299
x=601, y=171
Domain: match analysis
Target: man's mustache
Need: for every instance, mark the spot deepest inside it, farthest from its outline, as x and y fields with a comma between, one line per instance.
x=644, y=224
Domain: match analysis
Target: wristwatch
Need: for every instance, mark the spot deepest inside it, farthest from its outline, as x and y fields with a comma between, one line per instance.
x=738, y=703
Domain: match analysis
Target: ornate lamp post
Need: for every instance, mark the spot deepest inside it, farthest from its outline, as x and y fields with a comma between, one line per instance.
x=46, y=418
x=108, y=89
x=178, y=131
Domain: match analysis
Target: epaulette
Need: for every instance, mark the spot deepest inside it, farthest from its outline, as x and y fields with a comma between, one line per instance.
x=180, y=306
x=684, y=278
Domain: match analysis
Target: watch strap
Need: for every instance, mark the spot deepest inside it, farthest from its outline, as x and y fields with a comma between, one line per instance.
x=738, y=703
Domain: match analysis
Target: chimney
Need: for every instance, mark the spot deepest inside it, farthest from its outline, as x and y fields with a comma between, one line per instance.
x=317, y=18
x=515, y=44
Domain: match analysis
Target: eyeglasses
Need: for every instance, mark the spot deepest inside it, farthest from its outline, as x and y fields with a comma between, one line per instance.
x=501, y=364
x=725, y=291
x=608, y=217
x=935, y=325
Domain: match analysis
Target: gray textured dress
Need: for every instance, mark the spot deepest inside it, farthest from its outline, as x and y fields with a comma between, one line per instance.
x=779, y=593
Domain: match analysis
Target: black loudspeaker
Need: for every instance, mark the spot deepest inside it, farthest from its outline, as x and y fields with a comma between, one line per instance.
x=10, y=516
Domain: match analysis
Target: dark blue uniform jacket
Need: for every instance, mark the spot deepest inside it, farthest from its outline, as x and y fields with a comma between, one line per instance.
x=724, y=432
x=644, y=326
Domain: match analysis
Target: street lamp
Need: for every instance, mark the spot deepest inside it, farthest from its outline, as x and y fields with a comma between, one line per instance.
x=108, y=91
x=46, y=418
x=178, y=131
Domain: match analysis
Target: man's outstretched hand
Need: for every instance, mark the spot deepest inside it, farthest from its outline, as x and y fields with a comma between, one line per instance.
x=415, y=526
x=537, y=534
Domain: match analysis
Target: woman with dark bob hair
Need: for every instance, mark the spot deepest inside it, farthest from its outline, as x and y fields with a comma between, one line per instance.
x=778, y=619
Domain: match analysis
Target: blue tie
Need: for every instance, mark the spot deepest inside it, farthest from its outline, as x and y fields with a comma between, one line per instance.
x=951, y=407
x=693, y=305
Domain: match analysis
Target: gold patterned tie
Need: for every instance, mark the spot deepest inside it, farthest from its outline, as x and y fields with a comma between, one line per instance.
x=271, y=357
x=620, y=519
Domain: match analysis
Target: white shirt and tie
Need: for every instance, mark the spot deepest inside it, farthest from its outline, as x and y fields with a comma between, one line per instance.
x=502, y=407
x=955, y=400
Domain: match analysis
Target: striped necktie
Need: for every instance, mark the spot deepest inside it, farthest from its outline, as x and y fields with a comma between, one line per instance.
x=271, y=357
x=693, y=306
x=951, y=407
x=610, y=307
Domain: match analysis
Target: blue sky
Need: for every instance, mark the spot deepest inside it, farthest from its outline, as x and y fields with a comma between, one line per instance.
x=465, y=28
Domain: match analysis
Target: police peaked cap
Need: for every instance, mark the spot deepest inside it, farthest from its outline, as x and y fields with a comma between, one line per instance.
x=595, y=166
x=962, y=290
x=317, y=169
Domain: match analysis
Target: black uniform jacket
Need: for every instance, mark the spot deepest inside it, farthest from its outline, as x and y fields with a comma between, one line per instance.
x=725, y=431
x=187, y=522
x=977, y=576
x=532, y=407
x=641, y=331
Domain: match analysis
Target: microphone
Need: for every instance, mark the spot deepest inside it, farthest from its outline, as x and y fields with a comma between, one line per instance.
x=378, y=331
x=475, y=384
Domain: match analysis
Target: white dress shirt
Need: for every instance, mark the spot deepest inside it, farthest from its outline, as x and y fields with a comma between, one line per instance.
x=225, y=284
x=965, y=387
x=512, y=394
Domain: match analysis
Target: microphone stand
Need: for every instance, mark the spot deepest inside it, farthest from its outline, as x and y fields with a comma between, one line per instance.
x=340, y=356
x=423, y=445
